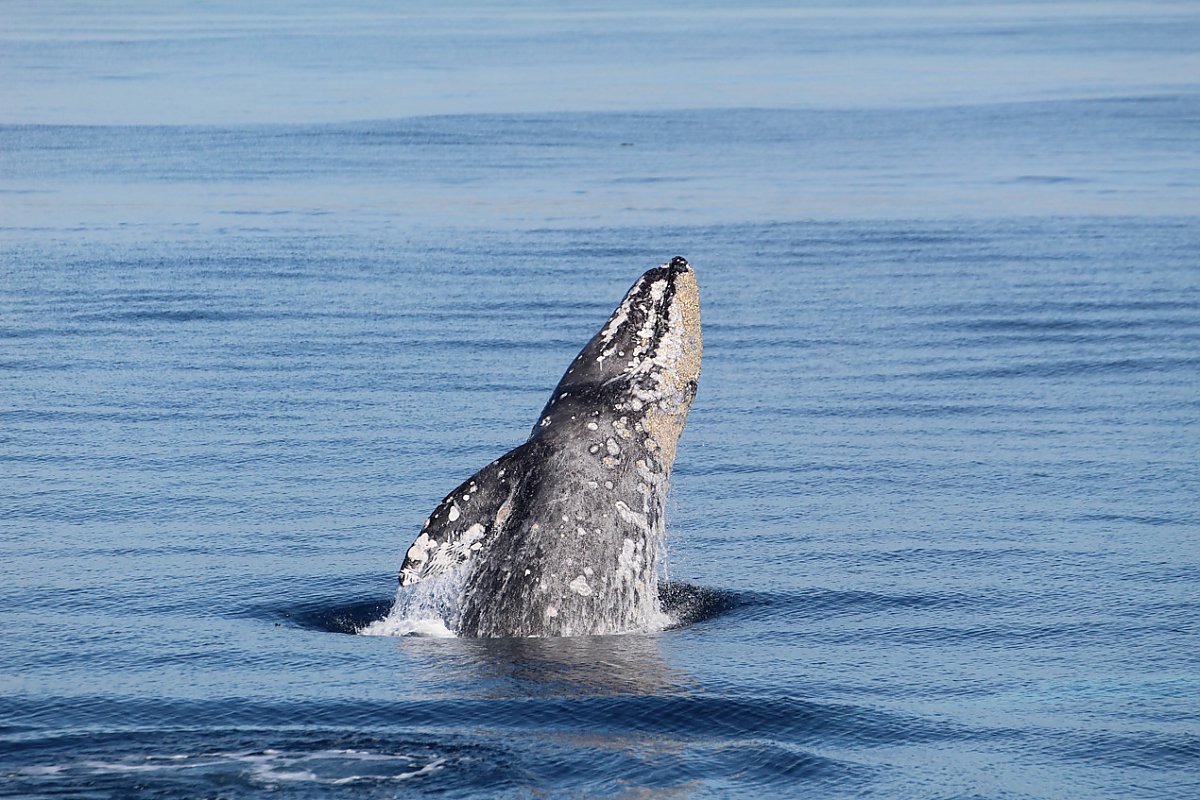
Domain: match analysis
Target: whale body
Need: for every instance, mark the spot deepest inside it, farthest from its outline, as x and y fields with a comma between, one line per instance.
x=563, y=535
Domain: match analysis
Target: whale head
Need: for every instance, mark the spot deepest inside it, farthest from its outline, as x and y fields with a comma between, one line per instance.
x=645, y=360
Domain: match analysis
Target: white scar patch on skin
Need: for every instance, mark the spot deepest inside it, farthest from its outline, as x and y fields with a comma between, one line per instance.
x=635, y=519
x=621, y=315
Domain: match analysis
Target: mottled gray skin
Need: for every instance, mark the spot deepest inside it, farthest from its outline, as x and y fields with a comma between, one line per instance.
x=562, y=536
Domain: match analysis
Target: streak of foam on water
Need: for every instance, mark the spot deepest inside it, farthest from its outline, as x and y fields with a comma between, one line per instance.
x=268, y=767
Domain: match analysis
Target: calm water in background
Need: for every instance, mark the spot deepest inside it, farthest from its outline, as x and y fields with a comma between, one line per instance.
x=272, y=282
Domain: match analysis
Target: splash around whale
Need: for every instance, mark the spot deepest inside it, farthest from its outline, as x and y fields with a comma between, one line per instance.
x=564, y=535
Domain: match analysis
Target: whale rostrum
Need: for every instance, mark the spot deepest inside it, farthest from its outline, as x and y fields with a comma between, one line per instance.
x=563, y=535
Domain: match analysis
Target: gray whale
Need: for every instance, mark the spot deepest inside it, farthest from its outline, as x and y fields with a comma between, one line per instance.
x=563, y=535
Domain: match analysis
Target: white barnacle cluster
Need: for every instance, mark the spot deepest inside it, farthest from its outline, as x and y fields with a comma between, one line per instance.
x=646, y=470
x=652, y=365
x=662, y=382
x=644, y=337
x=651, y=486
x=630, y=561
x=429, y=556
x=619, y=318
x=580, y=586
x=656, y=375
x=636, y=519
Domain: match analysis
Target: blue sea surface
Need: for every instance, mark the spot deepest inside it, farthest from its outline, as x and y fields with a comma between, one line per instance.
x=275, y=278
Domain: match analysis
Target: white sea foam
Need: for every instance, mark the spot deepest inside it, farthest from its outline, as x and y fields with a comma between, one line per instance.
x=268, y=767
x=41, y=771
x=407, y=626
x=267, y=773
x=428, y=608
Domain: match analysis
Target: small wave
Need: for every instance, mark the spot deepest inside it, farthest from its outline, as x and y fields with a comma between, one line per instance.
x=334, y=618
x=1047, y=179
x=168, y=315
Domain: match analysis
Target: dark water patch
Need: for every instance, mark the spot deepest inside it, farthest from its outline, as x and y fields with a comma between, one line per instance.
x=772, y=717
x=1075, y=632
x=1068, y=368
x=1048, y=179
x=168, y=315
x=36, y=365
x=820, y=604
x=437, y=343
x=983, y=313
x=1164, y=573
x=146, y=294
x=913, y=409
x=1140, y=519
x=1141, y=750
x=689, y=604
x=651, y=179
x=124, y=415
x=958, y=556
x=28, y=333
x=1107, y=340
x=347, y=617
x=1069, y=325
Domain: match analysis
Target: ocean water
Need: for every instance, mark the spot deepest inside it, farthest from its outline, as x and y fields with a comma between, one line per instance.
x=272, y=281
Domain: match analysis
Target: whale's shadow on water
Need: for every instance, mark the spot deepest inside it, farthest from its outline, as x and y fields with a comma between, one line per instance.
x=685, y=603
x=547, y=667
x=608, y=665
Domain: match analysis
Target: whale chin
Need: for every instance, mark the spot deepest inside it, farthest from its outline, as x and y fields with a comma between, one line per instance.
x=563, y=535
